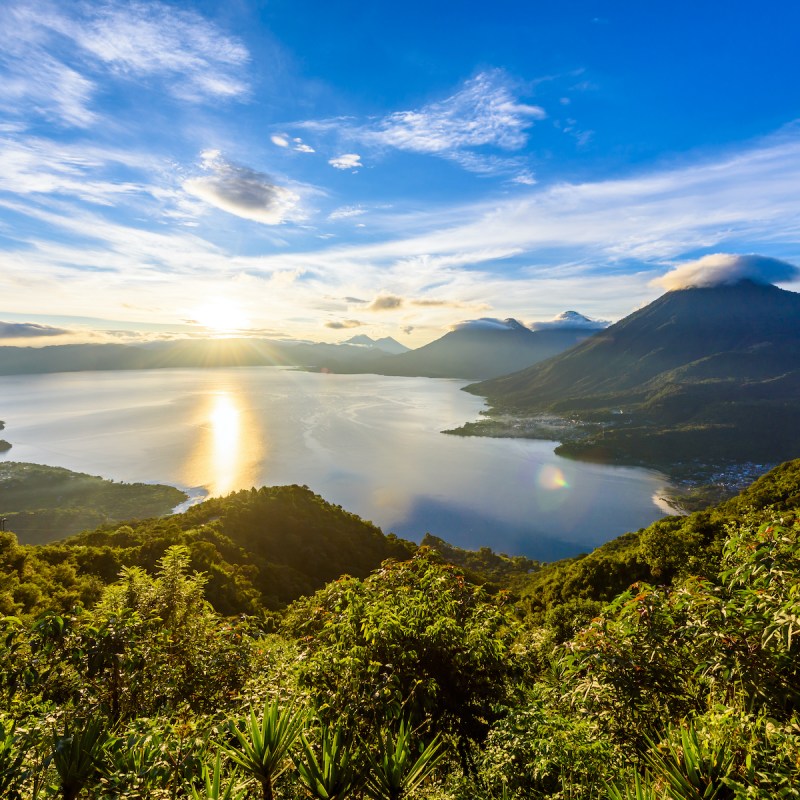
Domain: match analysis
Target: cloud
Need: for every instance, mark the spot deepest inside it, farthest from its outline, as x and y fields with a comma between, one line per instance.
x=525, y=178
x=242, y=191
x=488, y=323
x=346, y=161
x=55, y=56
x=570, y=320
x=280, y=141
x=346, y=212
x=385, y=302
x=345, y=323
x=304, y=148
x=49, y=87
x=194, y=57
x=27, y=330
x=723, y=269
x=483, y=112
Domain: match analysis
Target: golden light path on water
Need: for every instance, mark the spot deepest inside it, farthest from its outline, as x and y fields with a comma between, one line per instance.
x=230, y=446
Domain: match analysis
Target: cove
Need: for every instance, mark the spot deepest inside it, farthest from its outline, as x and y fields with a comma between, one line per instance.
x=369, y=443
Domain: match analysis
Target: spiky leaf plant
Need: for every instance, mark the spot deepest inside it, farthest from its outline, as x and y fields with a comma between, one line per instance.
x=262, y=745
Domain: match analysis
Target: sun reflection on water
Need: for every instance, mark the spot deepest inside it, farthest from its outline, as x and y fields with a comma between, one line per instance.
x=228, y=448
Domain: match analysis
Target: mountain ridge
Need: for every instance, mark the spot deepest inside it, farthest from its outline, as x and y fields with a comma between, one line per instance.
x=709, y=372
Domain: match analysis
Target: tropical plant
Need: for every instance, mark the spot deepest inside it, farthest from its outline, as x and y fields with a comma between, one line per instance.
x=213, y=787
x=691, y=767
x=633, y=787
x=332, y=775
x=396, y=770
x=261, y=746
x=77, y=756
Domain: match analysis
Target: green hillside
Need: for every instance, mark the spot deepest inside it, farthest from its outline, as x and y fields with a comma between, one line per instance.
x=409, y=681
x=41, y=503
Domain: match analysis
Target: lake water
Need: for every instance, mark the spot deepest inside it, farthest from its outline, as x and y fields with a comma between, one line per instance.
x=369, y=443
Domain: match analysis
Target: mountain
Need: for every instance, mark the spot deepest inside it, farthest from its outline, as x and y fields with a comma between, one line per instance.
x=484, y=348
x=187, y=353
x=386, y=344
x=700, y=372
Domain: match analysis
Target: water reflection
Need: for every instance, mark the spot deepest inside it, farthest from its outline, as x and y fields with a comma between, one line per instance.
x=228, y=446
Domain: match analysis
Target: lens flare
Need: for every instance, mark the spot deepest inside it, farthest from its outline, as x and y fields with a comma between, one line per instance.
x=552, y=478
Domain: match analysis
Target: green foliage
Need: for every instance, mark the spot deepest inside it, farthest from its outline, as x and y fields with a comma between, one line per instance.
x=261, y=746
x=682, y=688
x=333, y=774
x=415, y=636
x=213, y=786
x=260, y=549
x=693, y=768
x=669, y=550
x=12, y=757
x=78, y=756
x=395, y=770
x=540, y=751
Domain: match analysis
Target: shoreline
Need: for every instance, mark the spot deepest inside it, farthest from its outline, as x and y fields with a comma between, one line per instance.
x=695, y=484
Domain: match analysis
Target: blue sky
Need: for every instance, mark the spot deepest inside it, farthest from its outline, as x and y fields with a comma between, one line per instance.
x=315, y=170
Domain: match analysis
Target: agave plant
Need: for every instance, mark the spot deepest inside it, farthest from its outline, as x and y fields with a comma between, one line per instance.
x=694, y=769
x=332, y=775
x=262, y=745
x=394, y=771
x=77, y=757
x=635, y=788
x=213, y=788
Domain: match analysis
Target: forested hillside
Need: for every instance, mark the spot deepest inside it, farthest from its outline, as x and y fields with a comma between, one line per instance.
x=406, y=680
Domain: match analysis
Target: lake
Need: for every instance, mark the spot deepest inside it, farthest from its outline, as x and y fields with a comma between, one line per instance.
x=369, y=443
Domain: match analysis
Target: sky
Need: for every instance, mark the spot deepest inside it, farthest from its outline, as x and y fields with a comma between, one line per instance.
x=313, y=170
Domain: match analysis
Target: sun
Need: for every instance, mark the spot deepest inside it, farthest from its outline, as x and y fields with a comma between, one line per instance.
x=221, y=317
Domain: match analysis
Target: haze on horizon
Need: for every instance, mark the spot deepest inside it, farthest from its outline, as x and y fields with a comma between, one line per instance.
x=313, y=171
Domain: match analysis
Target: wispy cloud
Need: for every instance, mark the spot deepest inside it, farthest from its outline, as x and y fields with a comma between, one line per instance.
x=193, y=57
x=242, y=191
x=55, y=55
x=483, y=112
x=346, y=212
x=482, y=116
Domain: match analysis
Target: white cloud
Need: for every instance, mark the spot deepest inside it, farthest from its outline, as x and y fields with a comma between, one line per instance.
x=53, y=89
x=279, y=140
x=242, y=191
x=525, y=178
x=569, y=320
x=29, y=165
x=483, y=112
x=304, y=148
x=721, y=269
x=141, y=39
x=346, y=212
x=488, y=323
x=346, y=161
x=54, y=55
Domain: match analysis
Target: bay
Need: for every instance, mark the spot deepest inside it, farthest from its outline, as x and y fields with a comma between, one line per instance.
x=372, y=444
